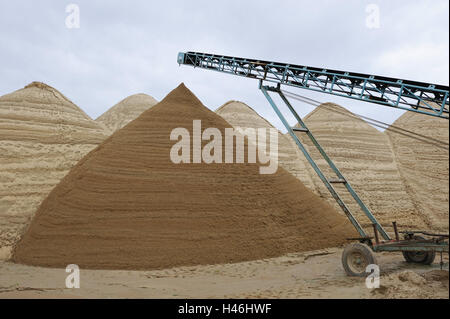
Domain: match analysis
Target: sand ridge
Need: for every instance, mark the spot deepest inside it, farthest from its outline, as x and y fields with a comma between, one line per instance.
x=42, y=135
x=365, y=157
x=423, y=160
x=127, y=206
x=125, y=111
x=239, y=114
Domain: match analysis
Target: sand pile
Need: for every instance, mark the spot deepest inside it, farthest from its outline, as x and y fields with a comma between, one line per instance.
x=127, y=206
x=421, y=148
x=125, y=111
x=239, y=114
x=365, y=157
x=42, y=135
x=411, y=285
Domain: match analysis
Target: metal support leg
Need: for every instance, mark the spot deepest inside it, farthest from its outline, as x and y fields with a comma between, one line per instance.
x=314, y=165
x=397, y=237
x=341, y=178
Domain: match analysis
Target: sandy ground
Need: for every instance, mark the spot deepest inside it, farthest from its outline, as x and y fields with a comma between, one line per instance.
x=315, y=274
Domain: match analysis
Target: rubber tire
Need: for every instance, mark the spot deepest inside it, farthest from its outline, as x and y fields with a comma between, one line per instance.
x=428, y=257
x=365, y=252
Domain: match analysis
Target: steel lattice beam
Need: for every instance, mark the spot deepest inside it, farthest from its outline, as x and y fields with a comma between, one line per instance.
x=425, y=98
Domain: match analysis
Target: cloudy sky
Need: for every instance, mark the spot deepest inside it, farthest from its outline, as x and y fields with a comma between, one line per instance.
x=127, y=47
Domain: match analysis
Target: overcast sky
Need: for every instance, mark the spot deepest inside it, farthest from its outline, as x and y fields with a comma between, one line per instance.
x=127, y=47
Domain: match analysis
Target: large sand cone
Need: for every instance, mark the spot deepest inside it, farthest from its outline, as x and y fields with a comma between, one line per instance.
x=421, y=147
x=239, y=114
x=365, y=156
x=127, y=206
x=42, y=136
x=125, y=111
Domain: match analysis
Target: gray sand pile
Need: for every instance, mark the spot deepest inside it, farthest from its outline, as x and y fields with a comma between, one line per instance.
x=42, y=135
x=422, y=153
x=365, y=157
x=239, y=114
x=125, y=111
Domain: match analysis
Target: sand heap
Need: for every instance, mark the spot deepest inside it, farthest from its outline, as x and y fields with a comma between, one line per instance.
x=409, y=284
x=421, y=147
x=365, y=157
x=125, y=111
x=42, y=135
x=127, y=206
x=239, y=114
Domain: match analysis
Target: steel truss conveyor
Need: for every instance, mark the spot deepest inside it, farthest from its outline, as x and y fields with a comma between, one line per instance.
x=424, y=98
x=430, y=99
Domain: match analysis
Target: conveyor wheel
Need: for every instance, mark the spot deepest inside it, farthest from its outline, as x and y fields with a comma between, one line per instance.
x=355, y=259
x=419, y=257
